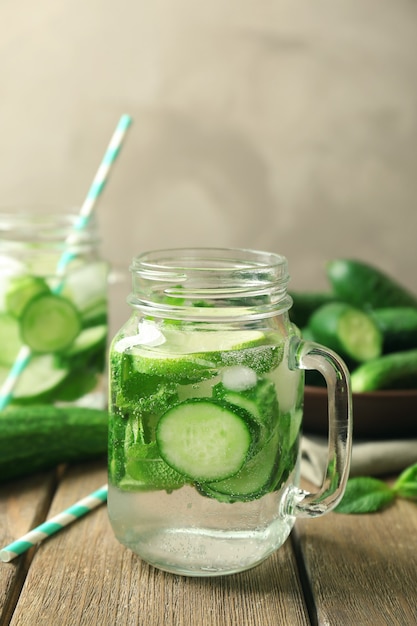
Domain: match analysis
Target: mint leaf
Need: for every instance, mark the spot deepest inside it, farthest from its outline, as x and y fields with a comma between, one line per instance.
x=406, y=484
x=365, y=495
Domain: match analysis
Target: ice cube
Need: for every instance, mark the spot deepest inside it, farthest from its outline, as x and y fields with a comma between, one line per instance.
x=239, y=378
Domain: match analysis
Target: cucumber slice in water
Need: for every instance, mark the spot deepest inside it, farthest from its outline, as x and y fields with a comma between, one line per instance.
x=10, y=342
x=253, y=480
x=205, y=440
x=88, y=339
x=86, y=287
x=260, y=401
x=21, y=290
x=49, y=323
x=38, y=378
x=188, y=356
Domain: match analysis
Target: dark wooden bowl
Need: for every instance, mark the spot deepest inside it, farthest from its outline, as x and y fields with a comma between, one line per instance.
x=377, y=414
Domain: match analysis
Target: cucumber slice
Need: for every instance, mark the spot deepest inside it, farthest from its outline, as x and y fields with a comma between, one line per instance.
x=88, y=339
x=186, y=356
x=86, y=287
x=10, y=342
x=38, y=378
x=260, y=401
x=253, y=480
x=49, y=323
x=21, y=290
x=205, y=440
x=347, y=330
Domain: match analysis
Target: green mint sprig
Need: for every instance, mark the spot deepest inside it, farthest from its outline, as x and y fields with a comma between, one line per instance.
x=365, y=494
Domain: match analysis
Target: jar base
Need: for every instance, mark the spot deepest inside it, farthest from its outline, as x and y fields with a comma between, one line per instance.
x=201, y=553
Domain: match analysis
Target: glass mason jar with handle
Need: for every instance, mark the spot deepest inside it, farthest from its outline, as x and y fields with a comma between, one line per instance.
x=53, y=310
x=206, y=402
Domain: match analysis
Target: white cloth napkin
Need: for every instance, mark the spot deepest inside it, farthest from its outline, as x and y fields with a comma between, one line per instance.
x=369, y=458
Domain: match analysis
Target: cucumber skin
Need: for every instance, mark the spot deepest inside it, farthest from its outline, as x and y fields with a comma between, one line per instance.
x=398, y=326
x=37, y=438
x=365, y=286
x=392, y=371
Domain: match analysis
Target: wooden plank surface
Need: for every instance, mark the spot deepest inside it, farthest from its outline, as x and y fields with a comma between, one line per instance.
x=84, y=576
x=23, y=505
x=362, y=569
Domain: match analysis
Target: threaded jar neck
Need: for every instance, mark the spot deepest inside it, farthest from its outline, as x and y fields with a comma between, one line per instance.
x=28, y=232
x=207, y=284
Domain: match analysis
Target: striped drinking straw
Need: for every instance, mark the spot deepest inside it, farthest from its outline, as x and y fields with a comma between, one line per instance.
x=55, y=524
x=94, y=193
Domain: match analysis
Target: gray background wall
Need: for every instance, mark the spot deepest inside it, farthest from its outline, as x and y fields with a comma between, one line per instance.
x=285, y=125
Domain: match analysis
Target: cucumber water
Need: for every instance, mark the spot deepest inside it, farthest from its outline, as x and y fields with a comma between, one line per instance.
x=195, y=420
x=206, y=403
x=67, y=343
x=205, y=409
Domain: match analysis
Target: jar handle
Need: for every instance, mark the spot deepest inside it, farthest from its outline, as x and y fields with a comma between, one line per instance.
x=309, y=355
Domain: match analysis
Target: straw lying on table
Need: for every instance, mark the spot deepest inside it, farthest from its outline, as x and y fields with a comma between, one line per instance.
x=52, y=526
x=96, y=188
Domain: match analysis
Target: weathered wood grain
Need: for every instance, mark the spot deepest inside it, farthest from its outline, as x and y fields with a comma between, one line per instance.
x=362, y=569
x=83, y=576
x=23, y=505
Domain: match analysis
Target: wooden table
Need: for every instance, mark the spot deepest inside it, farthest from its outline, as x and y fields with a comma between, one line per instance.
x=336, y=570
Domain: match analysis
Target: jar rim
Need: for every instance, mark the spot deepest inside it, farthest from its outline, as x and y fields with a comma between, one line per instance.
x=44, y=224
x=218, y=259
x=192, y=282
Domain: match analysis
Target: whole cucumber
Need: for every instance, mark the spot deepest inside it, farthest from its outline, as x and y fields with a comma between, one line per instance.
x=40, y=437
x=397, y=370
x=398, y=326
x=365, y=286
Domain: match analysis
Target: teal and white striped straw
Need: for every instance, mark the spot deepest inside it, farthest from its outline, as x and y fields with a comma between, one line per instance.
x=96, y=188
x=55, y=524
x=99, y=182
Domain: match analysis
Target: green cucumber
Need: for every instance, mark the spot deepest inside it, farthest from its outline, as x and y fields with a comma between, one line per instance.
x=49, y=323
x=363, y=285
x=398, y=326
x=347, y=330
x=21, y=290
x=206, y=440
x=38, y=438
x=304, y=303
x=397, y=370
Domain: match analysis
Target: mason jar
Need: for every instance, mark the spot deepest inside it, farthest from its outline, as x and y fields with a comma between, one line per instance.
x=206, y=407
x=53, y=310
